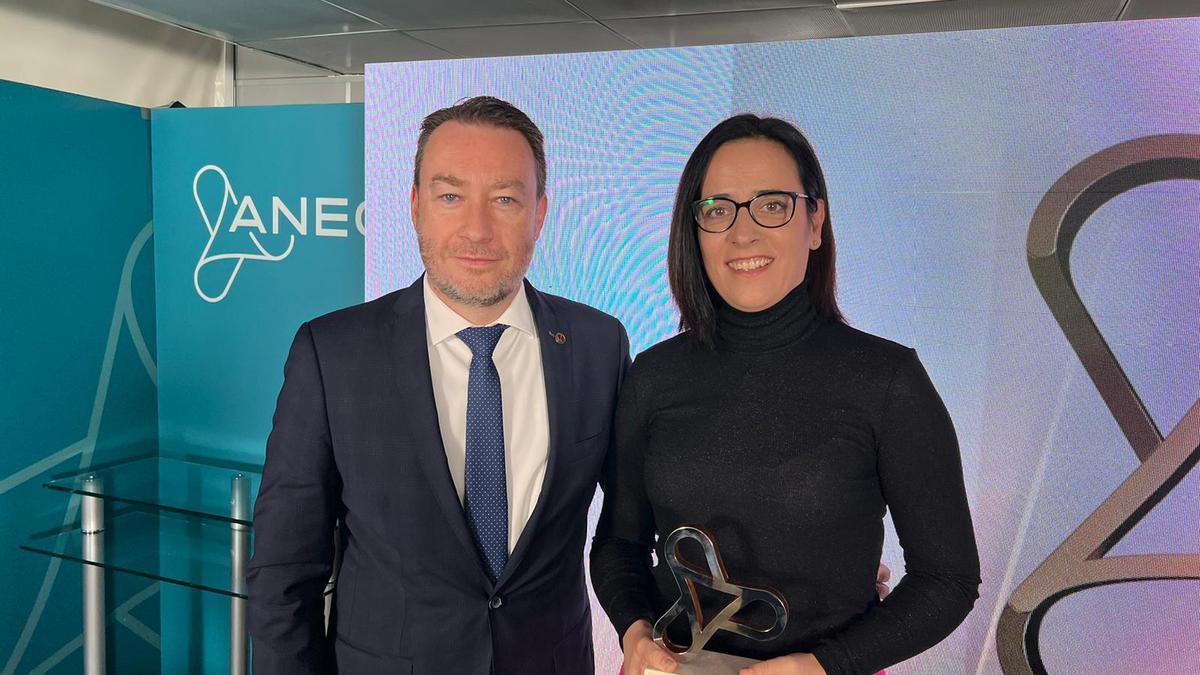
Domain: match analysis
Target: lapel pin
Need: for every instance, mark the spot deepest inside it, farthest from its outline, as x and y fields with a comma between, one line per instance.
x=560, y=338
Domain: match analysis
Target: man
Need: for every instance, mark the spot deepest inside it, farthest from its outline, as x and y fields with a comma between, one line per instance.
x=453, y=431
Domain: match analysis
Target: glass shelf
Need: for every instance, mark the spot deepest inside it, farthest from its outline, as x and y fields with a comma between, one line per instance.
x=171, y=520
x=185, y=487
x=166, y=519
x=158, y=545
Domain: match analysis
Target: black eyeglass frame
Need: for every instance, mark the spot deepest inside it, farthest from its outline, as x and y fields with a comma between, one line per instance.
x=738, y=206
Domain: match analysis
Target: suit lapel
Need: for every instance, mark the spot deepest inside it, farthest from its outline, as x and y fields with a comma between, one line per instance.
x=556, y=370
x=410, y=350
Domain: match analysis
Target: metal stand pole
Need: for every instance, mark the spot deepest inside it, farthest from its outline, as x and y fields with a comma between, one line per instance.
x=239, y=504
x=337, y=566
x=93, y=578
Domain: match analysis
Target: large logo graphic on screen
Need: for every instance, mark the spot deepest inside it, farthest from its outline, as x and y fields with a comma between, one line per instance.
x=240, y=239
x=1081, y=561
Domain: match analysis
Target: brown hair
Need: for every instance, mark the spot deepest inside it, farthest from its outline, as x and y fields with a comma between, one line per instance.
x=491, y=111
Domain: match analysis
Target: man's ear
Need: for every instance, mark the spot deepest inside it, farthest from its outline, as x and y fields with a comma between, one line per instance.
x=412, y=204
x=539, y=216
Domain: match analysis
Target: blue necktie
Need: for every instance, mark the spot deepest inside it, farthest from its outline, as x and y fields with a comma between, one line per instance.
x=486, y=502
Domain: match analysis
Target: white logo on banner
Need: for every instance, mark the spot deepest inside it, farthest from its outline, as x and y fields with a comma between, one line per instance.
x=247, y=217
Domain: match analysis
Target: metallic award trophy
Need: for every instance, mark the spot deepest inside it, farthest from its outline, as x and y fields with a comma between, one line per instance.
x=694, y=659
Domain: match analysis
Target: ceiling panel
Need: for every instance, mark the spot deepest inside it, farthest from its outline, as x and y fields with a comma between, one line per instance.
x=1160, y=9
x=626, y=9
x=300, y=90
x=342, y=35
x=253, y=64
x=239, y=20
x=348, y=53
x=552, y=38
x=732, y=27
x=973, y=14
x=420, y=14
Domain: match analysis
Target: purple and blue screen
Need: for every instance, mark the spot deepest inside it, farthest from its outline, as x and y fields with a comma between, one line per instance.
x=937, y=149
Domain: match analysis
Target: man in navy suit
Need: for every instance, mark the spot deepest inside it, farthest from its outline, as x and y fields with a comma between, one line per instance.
x=452, y=432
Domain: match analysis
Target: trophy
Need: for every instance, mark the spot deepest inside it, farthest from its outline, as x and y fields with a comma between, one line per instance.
x=694, y=659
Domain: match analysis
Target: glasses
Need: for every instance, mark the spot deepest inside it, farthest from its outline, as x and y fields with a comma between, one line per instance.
x=769, y=209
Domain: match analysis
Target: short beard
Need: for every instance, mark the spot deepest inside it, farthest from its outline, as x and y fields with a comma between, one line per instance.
x=504, y=288
x=488, y=298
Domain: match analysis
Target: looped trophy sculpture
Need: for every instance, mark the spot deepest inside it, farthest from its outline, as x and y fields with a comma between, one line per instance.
x=693, y=659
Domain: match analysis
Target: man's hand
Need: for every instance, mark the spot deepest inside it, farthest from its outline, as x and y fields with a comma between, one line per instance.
x=792, y=664
x=881, y=581
x=641, y=652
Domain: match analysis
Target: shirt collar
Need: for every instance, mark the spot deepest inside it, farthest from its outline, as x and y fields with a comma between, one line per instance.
x=442, y=322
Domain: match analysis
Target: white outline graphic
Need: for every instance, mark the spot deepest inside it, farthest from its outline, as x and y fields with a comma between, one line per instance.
x=123, y=616
x=227, y=197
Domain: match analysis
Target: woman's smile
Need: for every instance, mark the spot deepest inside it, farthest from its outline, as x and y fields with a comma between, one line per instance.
x=751, y=266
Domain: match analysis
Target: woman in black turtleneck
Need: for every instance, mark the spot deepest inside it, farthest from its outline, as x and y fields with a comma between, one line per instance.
x=782, y=432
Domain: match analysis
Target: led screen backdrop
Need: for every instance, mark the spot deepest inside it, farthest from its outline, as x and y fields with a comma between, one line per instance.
x=1019, y=205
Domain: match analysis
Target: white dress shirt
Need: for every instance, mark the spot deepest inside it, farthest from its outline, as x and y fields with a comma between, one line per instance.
x=518, y=359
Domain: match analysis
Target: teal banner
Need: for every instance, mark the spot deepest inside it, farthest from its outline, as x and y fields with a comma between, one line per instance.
x=77, y=363
x=260, y=224
x=260, y=221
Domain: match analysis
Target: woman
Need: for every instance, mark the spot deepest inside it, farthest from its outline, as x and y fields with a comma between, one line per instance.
x=782, y=432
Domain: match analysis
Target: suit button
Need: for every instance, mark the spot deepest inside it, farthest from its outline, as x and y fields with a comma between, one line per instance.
x=495, y=602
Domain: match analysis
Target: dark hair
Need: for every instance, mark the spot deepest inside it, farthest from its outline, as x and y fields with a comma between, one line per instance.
x=690, y=284
x=491, y=111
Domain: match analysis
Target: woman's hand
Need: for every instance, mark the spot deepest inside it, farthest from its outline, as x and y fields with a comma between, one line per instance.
x=807, y=664
x=641, y=652
x=792, y=664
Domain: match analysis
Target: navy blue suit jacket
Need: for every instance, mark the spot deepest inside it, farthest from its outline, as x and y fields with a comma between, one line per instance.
x=356, y=444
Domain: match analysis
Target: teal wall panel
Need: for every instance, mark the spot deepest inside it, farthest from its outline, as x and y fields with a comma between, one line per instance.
x=258, y=214
x=77, y=358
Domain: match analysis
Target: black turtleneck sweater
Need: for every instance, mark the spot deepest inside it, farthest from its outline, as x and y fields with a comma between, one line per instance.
x=788, y=443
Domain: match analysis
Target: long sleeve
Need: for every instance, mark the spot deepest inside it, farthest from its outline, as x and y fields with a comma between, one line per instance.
x=788, y=443
x=920, y=472
x=294, y=520
x=620, y=560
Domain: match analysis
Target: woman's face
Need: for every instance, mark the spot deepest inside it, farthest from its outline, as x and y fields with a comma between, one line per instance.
x=751, y=266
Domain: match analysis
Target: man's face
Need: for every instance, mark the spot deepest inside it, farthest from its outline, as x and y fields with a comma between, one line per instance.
x=477, y=212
